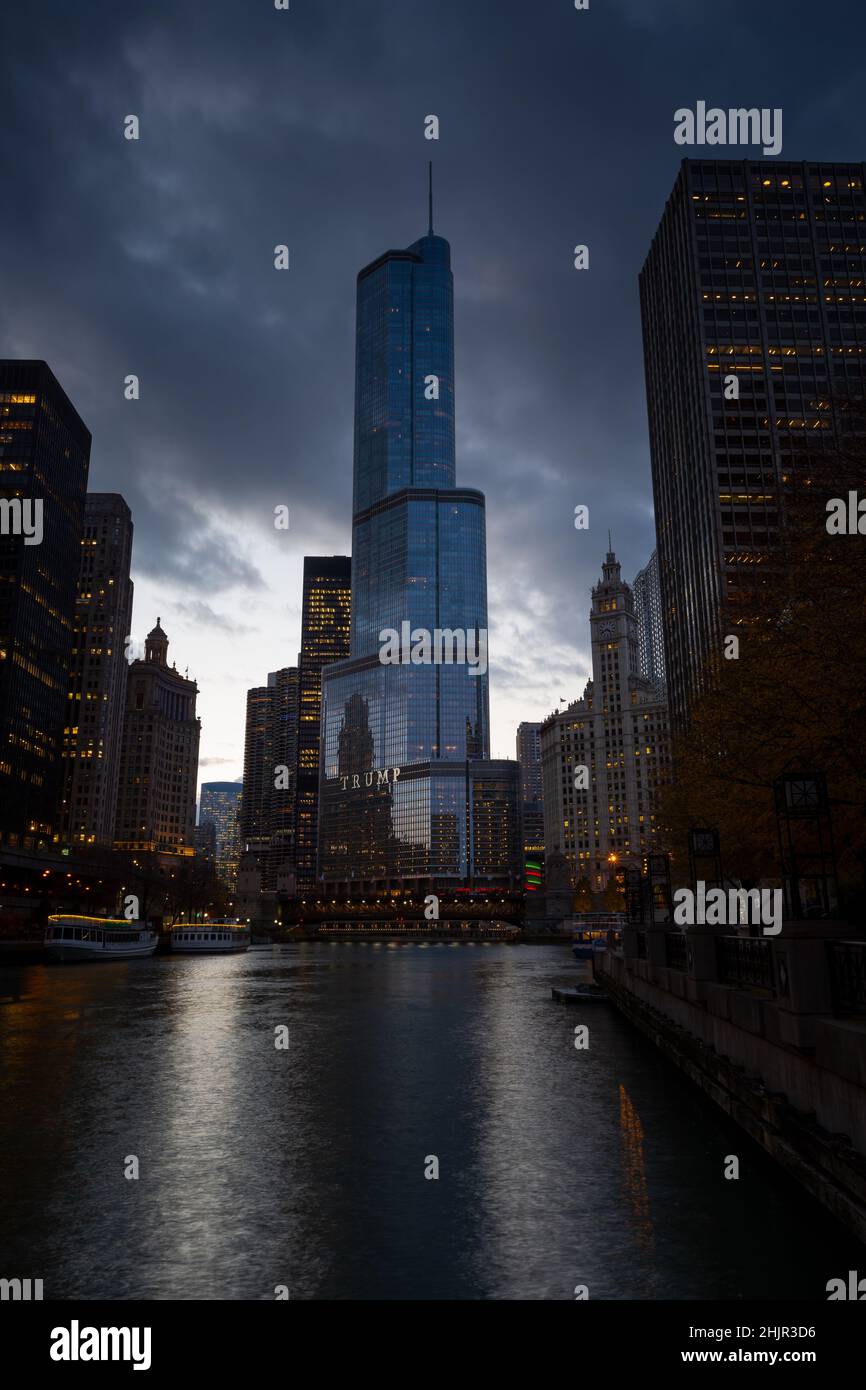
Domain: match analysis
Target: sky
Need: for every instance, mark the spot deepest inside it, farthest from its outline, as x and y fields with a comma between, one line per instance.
x=305, y=127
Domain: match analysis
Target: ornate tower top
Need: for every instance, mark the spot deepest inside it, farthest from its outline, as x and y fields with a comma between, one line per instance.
x=156, y=646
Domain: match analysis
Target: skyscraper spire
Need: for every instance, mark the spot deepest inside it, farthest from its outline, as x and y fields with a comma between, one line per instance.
x=430, y=196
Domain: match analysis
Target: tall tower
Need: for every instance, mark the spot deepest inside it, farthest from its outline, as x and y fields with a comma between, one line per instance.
x=604, y=757
x=531, y=787
x=614, y=636
x=751, y=324
x=158, y=756
x=418, y=565
x=44, y=460
x=325, y=617
x=650, y=628
x=98, y=674
x=219, y=805
x=255, y=808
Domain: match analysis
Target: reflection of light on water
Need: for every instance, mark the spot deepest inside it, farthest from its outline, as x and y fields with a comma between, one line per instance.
x=634, y=1169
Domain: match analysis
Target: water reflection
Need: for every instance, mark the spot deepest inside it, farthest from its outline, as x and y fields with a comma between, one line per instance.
x=306, y=1167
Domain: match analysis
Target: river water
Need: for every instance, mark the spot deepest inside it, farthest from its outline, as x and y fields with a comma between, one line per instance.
x=303, y=1167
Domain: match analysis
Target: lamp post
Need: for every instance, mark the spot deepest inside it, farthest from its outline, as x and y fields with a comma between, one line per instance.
x=806, y=848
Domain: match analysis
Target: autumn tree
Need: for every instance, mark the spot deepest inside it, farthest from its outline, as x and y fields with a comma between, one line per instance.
x=795, y=698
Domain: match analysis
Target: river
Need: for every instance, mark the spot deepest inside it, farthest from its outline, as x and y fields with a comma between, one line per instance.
x=302, y=1168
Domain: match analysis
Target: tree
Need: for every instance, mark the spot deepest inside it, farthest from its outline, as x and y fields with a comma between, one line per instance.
x=583, y=899
x=614, y=898
x=795, y=699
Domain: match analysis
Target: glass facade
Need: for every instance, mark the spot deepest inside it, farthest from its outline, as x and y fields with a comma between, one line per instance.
x=448, y=823
x=219, y=806
x=756, y=271
x=44, y=461
x=531, y=786
x=325, y=619
x=399, y=741
x=267, y=812
x=650, y=629
x=96, y=696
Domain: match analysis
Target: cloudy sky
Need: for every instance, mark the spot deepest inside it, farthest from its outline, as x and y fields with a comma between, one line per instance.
x=306, y=127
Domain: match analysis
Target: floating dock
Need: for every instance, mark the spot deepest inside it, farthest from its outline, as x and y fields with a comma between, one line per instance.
x=579, y=994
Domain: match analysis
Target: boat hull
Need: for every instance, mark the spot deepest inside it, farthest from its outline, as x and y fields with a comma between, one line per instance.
x=215, y=939
x=67, y=952
x=208, y=950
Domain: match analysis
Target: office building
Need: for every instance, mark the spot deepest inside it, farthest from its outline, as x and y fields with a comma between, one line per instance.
x=268, y=809
x=531, y=788
x=44, y=461
x=646, y=591
x=204, y=842
x=606, y=755
x=219, y=806
x=753, y=321
x=98, y=672
x=158, y=756
x=325, y=626
x=404, y=732
x=255, y=807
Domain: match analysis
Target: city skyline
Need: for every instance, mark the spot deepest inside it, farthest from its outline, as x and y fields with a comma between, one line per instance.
x=163, y=272
x=433, y=670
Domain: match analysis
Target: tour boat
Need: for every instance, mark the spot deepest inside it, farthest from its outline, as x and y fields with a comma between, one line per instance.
x=70, y=937
x=210, y=938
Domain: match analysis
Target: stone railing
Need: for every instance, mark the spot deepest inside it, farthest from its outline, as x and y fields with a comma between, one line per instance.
x=810, y=968
x=789, y=1009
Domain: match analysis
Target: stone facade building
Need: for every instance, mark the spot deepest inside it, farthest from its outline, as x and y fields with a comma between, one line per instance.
x=605, y=755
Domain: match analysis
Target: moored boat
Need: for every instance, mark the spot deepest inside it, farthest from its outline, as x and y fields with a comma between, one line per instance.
x=69, y=937
x=210, y=939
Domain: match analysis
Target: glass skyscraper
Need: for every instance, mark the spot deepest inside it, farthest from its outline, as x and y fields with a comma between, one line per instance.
x=220, y=804
x=325, y=618
x=647, y=593
x=403, y=743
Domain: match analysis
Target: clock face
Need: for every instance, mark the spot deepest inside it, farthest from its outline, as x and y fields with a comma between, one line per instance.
x=606, y=629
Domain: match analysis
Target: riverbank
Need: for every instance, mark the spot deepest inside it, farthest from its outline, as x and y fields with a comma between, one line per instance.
x=745, y=1077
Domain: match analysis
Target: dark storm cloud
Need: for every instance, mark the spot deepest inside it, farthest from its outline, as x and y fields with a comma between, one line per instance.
x=260, y=127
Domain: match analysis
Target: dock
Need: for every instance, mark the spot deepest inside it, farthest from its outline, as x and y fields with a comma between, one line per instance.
x=579, y=994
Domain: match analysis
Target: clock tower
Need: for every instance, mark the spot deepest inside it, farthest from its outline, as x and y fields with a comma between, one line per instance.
x=613, y=628
x=605, y=756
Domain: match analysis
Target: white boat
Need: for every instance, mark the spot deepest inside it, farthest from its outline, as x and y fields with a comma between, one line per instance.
x=70, y=937
x=210, y=939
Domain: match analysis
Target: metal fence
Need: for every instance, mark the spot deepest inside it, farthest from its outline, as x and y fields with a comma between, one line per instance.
x=676, y=954
x=847, y=961
x=746, y=961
